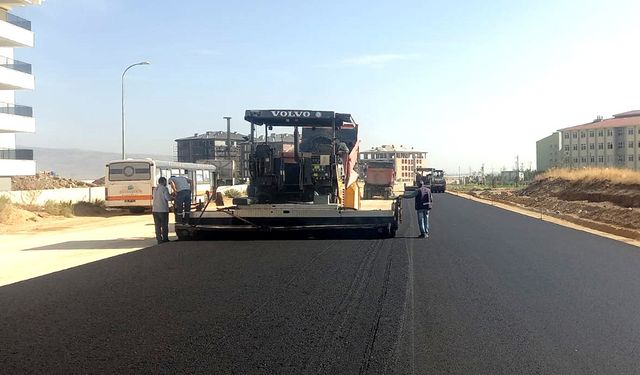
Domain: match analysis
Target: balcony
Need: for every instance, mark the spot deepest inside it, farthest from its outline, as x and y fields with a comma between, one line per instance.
x=12, y=167
x=16, y=119
x=14, y=31
x=16, y=154
x=15, y=75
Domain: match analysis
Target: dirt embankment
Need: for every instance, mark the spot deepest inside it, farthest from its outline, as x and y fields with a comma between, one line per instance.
x=596, y=203
x=43, y=181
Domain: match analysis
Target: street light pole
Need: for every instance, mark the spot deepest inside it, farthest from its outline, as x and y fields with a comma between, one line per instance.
x=122, y=81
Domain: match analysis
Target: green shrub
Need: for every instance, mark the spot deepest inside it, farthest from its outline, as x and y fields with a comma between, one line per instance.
x=58, y=208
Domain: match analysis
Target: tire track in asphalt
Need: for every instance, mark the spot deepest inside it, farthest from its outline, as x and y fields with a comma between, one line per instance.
x=346, y=307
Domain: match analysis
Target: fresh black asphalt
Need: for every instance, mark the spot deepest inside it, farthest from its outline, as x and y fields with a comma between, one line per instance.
x=489, y=292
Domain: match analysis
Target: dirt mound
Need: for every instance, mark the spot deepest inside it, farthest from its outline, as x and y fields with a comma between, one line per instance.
x=43, y=181
x=12, y=215
x=99, y=182
x=623, y=195
x=590, y=202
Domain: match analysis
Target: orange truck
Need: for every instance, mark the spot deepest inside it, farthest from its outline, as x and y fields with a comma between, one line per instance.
x=379, y=179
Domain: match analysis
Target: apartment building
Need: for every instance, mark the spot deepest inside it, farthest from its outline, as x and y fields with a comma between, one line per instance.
x=15, y=33
x=549, y=152
x=602, y=143
x=406, y=160
x=613, y=142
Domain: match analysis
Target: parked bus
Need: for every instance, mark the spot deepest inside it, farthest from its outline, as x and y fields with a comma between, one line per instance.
x=129, y=183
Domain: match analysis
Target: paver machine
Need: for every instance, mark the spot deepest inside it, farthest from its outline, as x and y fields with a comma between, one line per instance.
x=312, y=187
x=438, y=182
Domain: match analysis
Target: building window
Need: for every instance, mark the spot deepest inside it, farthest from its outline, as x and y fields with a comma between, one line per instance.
x=630, y=158
x=620, y=158
x=630, y=144
x=592, y=146
x=566, y=147
x=601, y=159
x=575, y=147
x=583, y=146
x=609, y=145
x=609, y=132
x=575, y=160
x=630, y=131
x=583, y=159
x=620, y=144
x=591, y=133
x=583, y=134
x=619, y=132
x=600, y=133
x=600, y=146
x=566, y=135
x=592, y=159
x=575, y=134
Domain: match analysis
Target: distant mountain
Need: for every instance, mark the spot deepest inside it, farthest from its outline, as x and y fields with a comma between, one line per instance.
x=80, y=164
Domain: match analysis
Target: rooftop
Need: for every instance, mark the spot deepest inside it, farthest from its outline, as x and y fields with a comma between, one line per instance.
x=629, y=118
x=392, y=148
x=219, y=135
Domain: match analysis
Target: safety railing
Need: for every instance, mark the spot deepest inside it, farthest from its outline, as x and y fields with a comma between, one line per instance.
x=16, y=154
x=10, y=63
x=15, y=20
x=14, y=109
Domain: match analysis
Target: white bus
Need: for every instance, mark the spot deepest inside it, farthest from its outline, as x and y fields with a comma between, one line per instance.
x=129, y=183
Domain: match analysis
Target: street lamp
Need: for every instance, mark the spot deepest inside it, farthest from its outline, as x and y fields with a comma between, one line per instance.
x=123, y=73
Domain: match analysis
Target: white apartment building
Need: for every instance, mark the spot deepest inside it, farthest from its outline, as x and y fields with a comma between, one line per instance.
x=15, y=33
x=549, y=152
x=406, y=160
x=603, y=143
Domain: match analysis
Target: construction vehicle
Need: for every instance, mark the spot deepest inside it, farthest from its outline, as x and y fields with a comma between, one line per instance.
x=379, y=179
x=438, y=183
x=423, y=175
x=314, y=187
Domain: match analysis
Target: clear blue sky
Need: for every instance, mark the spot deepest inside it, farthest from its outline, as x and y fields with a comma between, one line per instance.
x=471, y=82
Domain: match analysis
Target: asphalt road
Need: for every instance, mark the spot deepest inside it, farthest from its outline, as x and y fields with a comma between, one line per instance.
x=490, y=292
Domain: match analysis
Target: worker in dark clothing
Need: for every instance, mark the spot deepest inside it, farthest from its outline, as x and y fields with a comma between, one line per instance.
x=423, y=204
x=181, y=187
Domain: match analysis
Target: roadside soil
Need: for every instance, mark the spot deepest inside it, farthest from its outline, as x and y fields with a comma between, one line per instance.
x=14, y=219
x=43, y=181
x=597, y=204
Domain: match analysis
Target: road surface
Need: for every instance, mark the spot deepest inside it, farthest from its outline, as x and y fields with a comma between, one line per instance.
x=490, y=292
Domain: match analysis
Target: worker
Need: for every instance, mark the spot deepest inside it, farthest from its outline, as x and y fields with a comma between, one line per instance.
x=423, y=204
x=181, y=187
x=160, y=210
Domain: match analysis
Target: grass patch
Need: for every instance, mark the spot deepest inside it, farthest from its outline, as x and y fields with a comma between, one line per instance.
x=232, y=193
x=58, y=208
x=4, y=203
x=615, y=175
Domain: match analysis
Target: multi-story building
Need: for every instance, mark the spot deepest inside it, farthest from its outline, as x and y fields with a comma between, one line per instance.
x=15, y=32
x=613, y=142
x=406, y=160
x=549, y=152
x=209, y=146
x=603, y=143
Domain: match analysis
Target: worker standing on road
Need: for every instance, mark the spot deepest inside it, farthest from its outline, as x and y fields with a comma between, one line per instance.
x=423, y=204
x=181, y=187
x=160, y=210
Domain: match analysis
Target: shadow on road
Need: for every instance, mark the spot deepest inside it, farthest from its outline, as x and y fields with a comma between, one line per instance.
x=120, y=243
x=360, y=234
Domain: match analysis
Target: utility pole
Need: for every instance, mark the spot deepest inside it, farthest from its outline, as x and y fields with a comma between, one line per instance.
x=228, y=118
x=517, y=169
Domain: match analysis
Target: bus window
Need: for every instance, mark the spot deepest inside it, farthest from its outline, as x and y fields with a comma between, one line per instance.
x=129, y=171
x=199, y=177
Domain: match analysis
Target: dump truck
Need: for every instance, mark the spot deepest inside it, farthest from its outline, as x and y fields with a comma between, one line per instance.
x=379, y=179
x=310, y=188
x=438, y=183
